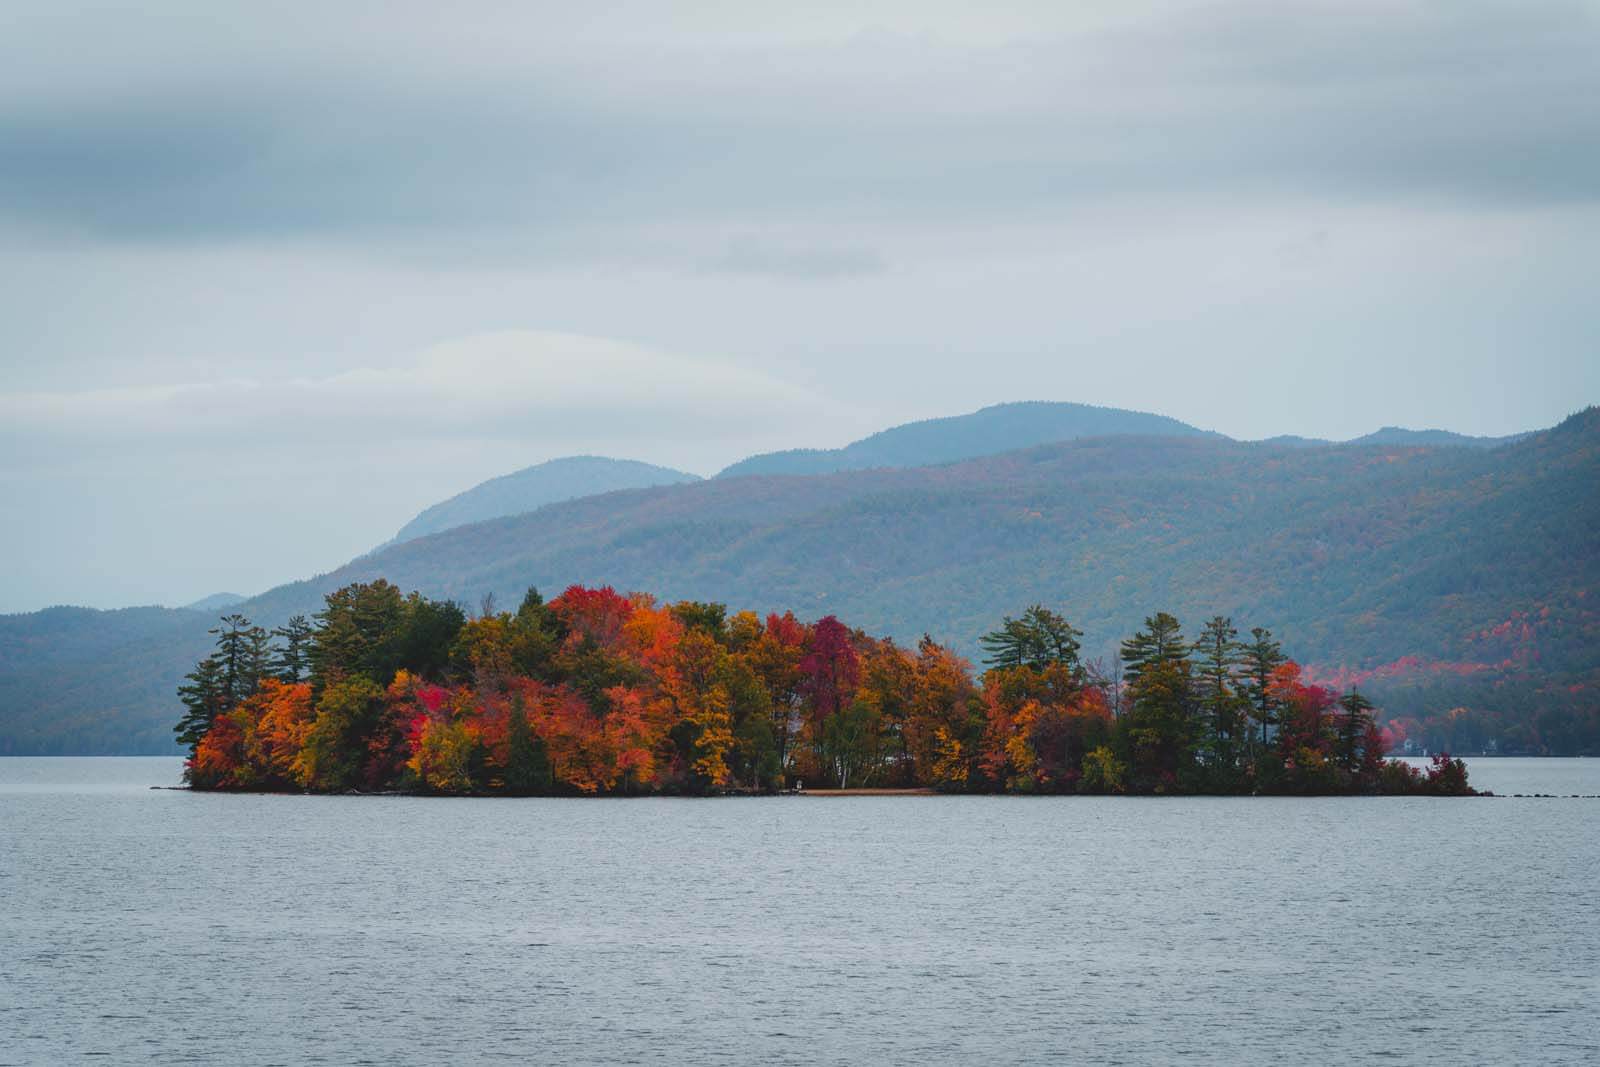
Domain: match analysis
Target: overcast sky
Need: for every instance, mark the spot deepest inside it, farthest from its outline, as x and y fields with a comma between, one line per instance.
x=274, y=277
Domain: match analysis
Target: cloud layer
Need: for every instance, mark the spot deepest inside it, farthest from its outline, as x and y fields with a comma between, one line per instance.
x=236, y=242
x=519, y=385
x=523, y=121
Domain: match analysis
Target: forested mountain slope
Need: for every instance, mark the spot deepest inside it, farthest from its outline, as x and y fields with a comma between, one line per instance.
x=1430, y=574
x=534, y=487
x=78, y=681
x=1399, y=435
x=990, y=431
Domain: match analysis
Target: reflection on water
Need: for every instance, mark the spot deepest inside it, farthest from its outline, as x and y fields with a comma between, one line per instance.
x=159, y=926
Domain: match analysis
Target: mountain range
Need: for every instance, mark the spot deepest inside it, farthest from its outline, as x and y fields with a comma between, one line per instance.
x=1399, y=435
x=1000, y=428
x=534, y=487
x=1443, y=573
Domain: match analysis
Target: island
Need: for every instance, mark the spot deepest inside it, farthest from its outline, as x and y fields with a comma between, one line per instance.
x=600, y=693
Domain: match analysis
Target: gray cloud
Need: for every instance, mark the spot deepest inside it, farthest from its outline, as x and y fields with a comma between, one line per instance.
x=511, y=385
x=1495, y=102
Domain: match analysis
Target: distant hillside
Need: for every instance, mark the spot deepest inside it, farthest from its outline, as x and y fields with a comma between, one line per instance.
x=79, y=681
x=1432, y=576
x=1399, y=435
x=534, y=487
x=1001, y=428
x=217, y=601
x=1290, y=440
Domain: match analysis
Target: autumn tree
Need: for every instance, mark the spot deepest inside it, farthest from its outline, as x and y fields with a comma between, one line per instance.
x=335, y=743
x=220, y=760
x=597, y=693
x=945, y=728
x=774, y=651
x=493, y=649
x=829, y=671
x=888, y=688
x=694, y=679
x=283, y=715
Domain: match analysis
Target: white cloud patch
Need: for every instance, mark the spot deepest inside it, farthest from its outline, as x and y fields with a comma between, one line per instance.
x=513, y=384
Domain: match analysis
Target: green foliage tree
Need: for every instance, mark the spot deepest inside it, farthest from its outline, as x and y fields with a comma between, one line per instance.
x=427, y=630
x=527, y=770
x=757, y=750
x=1160, y=726
x=754, y=758
x=356, y=633
x=333, y=753
x=293, y=661
x=1223, y=707
x=698, y=615
x=1039, y=638
x=1259, y=657
x=1355, y=725
x=370, y=629
x=223, y=679
x=1160, y=642
x=1103, y=772
x=242, y=654
x=850, y=743
x=258, y=661
x=204, y=697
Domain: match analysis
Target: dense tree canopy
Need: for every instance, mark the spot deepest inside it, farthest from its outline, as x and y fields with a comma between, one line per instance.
x=597, y=692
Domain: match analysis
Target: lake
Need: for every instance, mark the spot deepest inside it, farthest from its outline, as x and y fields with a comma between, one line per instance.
x=146, y=926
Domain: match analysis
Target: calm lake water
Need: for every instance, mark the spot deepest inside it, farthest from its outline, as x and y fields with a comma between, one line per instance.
x=153, y=926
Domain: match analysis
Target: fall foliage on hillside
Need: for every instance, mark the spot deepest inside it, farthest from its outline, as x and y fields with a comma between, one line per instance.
x=597, y=692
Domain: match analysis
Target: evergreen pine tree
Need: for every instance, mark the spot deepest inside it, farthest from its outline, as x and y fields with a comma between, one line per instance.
x=1353, y=727
x=1161, y=641
x=241, y=654
x=1260, y=657
x=1219, y=655
x=293, y=660
x=1160, y=724
x=257, y=661
x=1038, y=639
x=204, y=697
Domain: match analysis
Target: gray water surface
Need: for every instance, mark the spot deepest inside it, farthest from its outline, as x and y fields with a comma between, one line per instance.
x=154, y=926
